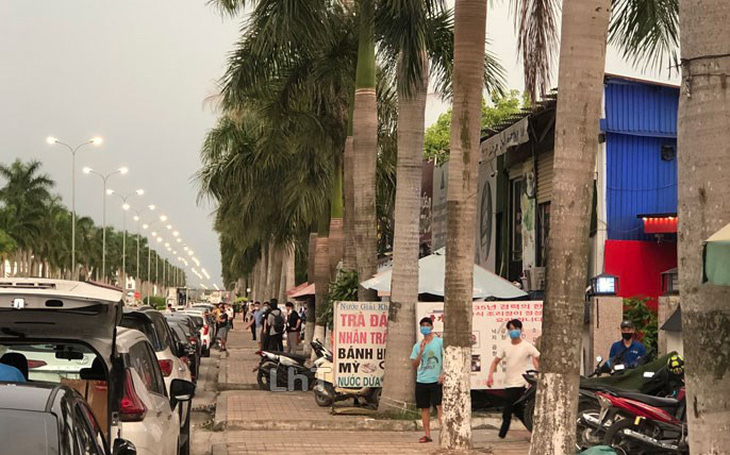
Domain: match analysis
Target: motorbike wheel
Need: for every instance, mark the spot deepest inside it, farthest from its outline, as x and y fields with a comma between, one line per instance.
x=324, y=399
x=588, y=436
x=263, y=377
x=624, y=445
x=529, y=414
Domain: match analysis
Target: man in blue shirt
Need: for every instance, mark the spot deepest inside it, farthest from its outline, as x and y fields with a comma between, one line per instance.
x=627, y=351
x=10, y=374
x=427, y=360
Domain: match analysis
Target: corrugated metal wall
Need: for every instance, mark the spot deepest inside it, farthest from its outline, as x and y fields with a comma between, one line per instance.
x=640, y=118
x=545, y=177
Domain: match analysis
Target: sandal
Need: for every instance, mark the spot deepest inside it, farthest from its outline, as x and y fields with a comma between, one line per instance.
x=425, y=439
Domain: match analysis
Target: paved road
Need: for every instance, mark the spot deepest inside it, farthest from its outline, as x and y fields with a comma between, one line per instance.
x=250, y=421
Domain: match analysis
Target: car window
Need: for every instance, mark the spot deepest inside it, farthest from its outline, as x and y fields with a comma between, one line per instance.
x=161, y=329
x=143, y=325
x=87, y=440
x=144, y=362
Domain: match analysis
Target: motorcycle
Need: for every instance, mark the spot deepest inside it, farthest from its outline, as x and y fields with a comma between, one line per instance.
x=278, y=371
x=325, y=392
x=642, y=424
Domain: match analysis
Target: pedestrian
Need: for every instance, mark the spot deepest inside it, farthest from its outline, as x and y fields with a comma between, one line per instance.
x=264, y=330
x=303, y=317
x=426, y=359
x=231, y=315
x=518, y=356
x=627, y=351
x=275, y=323
x=223, y=327
x=293, y=327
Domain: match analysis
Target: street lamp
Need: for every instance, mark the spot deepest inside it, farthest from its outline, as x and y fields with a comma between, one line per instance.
x=146, y=226
x=125, y=207
x=93, y=141
x=137, y=218
x=104, y=177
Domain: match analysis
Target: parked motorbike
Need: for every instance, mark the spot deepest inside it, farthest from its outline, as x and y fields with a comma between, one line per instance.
x=283, y=371
x=643, y=424
x=325, y=392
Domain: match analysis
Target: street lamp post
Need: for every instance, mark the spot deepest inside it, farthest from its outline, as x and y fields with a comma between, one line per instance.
x=125, y=207
x=137, y=218
x=104, y=178
x=95, y=141
x=145, y=226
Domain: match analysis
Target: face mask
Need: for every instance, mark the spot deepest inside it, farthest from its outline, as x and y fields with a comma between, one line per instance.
x=514, y=334
x=627, y=336
x=425, y=331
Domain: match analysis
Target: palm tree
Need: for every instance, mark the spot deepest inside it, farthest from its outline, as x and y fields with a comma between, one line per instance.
x=703, y=135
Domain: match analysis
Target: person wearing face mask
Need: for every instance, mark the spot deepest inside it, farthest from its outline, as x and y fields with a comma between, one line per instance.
x=627, y=351
x=518, y=356
x=426, y=359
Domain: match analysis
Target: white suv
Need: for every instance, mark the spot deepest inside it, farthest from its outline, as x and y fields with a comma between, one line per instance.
x=206, y=330
x=169, y=356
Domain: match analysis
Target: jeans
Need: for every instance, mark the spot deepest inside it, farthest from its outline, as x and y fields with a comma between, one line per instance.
x=512, y=394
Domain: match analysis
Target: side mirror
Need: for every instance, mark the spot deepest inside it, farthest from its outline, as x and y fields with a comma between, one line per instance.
x=124, y=447
x=181, y=391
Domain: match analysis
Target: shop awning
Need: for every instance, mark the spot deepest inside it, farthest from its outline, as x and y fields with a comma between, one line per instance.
x=303, y=290
x=717, y=258
x=432, y=274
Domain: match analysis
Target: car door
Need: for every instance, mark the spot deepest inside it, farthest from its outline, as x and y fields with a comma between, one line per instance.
x=89, y=438
x=160, y=416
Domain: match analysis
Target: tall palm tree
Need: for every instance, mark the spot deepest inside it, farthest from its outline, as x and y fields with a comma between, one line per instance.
x=704, y=208
x=582, y=57
x=469, y=31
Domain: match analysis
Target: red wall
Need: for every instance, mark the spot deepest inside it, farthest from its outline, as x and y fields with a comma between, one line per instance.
x=639, y=266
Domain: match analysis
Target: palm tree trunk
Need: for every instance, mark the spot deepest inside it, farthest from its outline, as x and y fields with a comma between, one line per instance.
x=365, y=146
x=704, y=207
x=582, y=61
x=349, y=259
x=337, y=237
x=321, y=284
x=399, y=381
x=469, y=30
x=311, y=251
x=270, y=270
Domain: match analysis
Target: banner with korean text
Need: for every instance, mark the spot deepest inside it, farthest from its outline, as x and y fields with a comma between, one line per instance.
x=359, y=343
x=489, y=331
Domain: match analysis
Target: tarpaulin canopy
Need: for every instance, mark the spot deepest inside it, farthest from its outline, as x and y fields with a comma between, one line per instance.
x=717, y=258
x=432, y=273
x=303, y=290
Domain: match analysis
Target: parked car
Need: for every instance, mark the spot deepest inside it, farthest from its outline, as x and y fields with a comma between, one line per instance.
x=183, y=335
x=205, y=328
x=150, y=416
x=47, y=418
x=52, y=328
x=169, y=355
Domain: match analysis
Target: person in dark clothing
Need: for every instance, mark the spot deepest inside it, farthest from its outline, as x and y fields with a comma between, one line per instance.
x=293, y=327
x=275, y=325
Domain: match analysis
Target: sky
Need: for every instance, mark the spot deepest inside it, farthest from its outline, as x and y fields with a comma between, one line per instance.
x=137, y=73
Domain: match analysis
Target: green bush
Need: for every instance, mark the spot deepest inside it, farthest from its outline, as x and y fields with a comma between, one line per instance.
x=155, y=302
x=645, y=320
x=343, y=289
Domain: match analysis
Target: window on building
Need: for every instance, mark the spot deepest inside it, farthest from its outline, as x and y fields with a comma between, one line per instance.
x=516, y=220
x=543, y=229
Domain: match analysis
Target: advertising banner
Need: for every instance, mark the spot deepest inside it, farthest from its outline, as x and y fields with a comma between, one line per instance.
x=489, y=332
x=359, y=343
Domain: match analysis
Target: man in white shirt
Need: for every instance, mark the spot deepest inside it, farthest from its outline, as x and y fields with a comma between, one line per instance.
x=519, y=356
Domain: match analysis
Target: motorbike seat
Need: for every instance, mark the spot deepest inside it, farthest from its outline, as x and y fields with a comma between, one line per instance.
x=301, y=358
x=651, y=400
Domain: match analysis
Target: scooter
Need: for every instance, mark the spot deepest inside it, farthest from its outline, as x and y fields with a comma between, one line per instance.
x=643, y=424
x=280, y=371
x=326, y=394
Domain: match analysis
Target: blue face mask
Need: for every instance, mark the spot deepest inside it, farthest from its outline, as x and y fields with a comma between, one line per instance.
x=425, y=330
x=514, y=334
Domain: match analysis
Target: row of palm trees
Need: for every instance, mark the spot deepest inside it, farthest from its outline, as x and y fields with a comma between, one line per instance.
x=35, y=235
x=320, y=96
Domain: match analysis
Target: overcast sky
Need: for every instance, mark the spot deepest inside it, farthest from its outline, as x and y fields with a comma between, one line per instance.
x=137, y=72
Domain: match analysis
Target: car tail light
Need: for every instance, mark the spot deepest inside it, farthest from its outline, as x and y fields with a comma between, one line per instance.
x=131, y=408
x=166, y=367
x=206, y=329
x=36, y=364
x=193, y=340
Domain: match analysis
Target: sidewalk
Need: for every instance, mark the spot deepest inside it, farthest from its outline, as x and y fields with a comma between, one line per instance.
x=294, y=422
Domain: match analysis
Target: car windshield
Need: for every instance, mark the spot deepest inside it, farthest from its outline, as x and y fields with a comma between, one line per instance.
x=52, y=362
x=28, y=432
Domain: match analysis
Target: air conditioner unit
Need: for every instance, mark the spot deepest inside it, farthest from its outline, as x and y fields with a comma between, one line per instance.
x=535, y=279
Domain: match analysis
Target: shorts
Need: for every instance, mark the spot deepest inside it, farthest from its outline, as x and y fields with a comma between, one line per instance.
x=428, y=395
x=223, y=333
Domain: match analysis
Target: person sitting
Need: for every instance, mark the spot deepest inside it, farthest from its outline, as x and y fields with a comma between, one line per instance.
x=11, y=367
